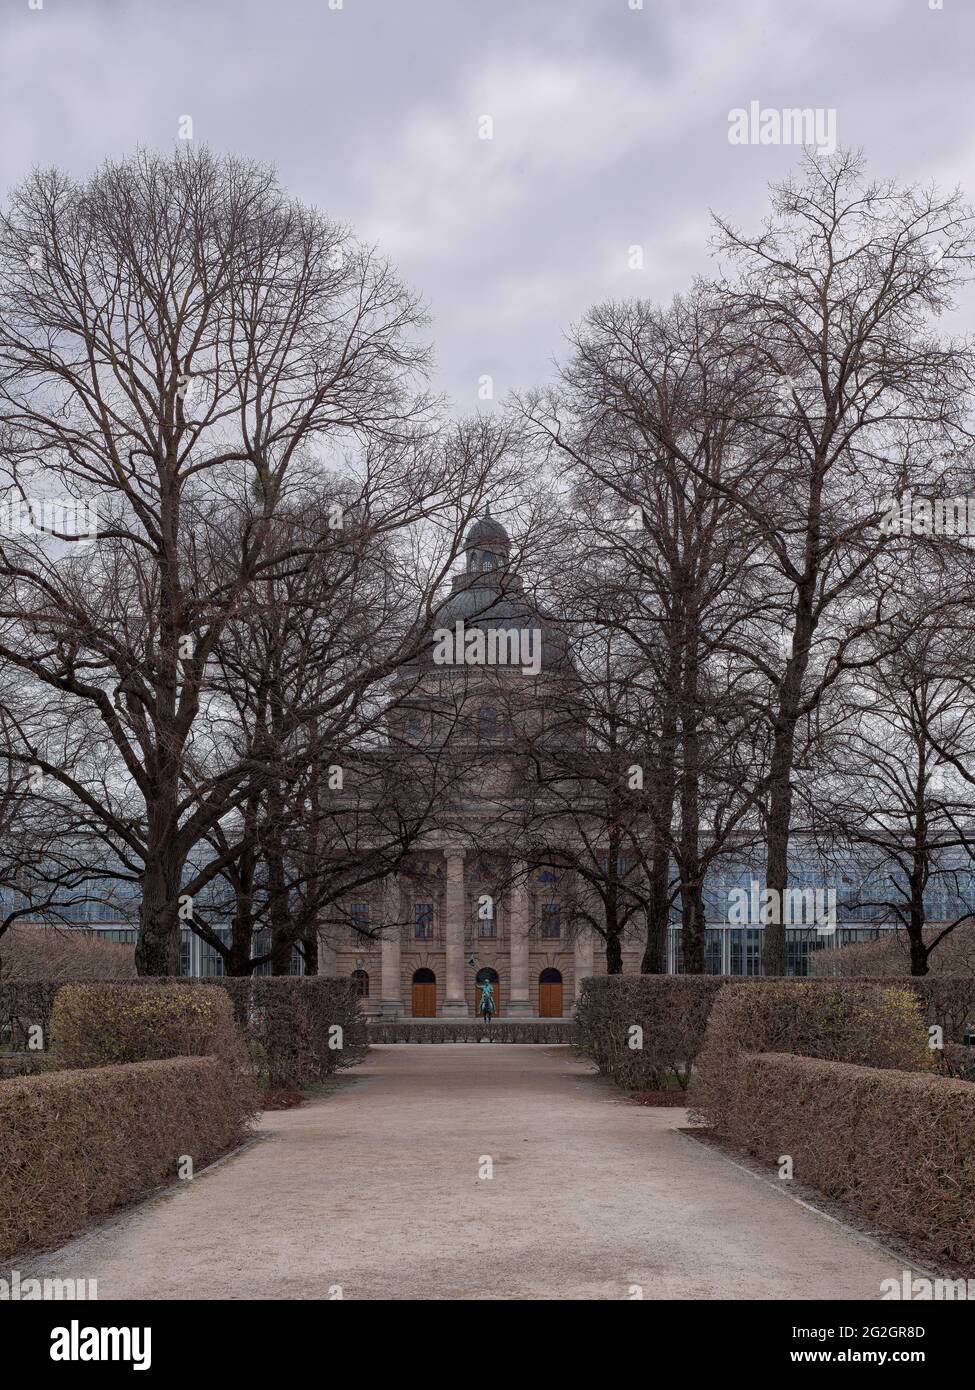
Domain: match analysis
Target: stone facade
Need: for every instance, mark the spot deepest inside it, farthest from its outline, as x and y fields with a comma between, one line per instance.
x=431, y=934
x=454, y=943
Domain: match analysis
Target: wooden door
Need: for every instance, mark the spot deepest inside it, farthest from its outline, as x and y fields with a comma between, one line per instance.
x=550, y=995
x=424, y=999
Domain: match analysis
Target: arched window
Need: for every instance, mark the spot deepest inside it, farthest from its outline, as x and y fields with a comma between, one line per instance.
x=360, y=979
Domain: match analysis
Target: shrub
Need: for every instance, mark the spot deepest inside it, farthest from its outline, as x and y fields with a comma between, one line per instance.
x=75, y=1145
x=671, y=1010
x=890, y=954
x=299, y=1029
x=107, y=1024
x=897, y=1147
x=947, y=1000
x=842, y=1021
x=62, y=953
x=286, y=1021
x=25, y=1063
x=23, y=1006
x=457, y=1030
x=958, y=1061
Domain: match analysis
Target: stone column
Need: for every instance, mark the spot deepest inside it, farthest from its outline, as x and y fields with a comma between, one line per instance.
x=391, y=989
x=519, y=993
x=455, y=912
x=583, y=956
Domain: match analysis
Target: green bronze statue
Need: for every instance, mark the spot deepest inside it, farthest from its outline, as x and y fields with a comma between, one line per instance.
x=487, y=1000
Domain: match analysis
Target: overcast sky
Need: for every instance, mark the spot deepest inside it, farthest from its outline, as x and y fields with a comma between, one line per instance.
x=610, y=128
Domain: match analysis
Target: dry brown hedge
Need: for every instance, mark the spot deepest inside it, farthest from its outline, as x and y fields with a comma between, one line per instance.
x=457, y=1030
x=24, y=1004
x=673, y=1011
x=32, y=952
x=869, y=1025
x=890, y=954
x=897, y=1147
x=294, y=1025
x=100, y=1025
x=287, y=1022
x=947, y=1000
x=959, y=1061
x=75, y=1145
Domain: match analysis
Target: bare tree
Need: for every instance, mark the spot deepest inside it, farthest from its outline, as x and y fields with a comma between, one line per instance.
x=177, y=339
x=834, y=298
x=646, y=419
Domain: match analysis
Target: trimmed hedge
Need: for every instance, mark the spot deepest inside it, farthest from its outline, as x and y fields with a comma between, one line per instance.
x=673, y=1013
x=408, y=1030
x=671, y=1010
x=75, y=1145
x=105, y=1025
x=869, y=1025
x=897, y=1147
x=23, y=1004
x=958, y=1061
x=947, y=1000
x=299, y=1029
x=287, y=1022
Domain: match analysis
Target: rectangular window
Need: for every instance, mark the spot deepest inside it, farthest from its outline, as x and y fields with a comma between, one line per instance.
x=423, y=921
x=359, y=912
x=551, y=920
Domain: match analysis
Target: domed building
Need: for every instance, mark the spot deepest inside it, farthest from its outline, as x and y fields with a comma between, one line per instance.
x=495, y=677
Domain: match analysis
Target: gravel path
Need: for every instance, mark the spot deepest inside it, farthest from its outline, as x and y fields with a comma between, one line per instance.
x=377, y=1191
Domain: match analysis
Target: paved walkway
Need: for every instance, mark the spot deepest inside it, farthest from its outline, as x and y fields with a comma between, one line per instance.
x=376, y=1189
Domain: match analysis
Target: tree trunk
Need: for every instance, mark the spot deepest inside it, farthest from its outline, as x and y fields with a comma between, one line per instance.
x=658, y=917
x=919, y=874
x=774, y=952
x=309, y=939
x=693, y=924
x=157, y=949
x=919, y=952
x=614, y=952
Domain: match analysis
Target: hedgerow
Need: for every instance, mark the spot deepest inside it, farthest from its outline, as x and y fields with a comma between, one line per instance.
x=896, y=1147
x=75, y=1145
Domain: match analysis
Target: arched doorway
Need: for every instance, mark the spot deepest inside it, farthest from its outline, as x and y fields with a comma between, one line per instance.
x=424, y=994
x=480, y=979
x=360, y=978
x=550, y=994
